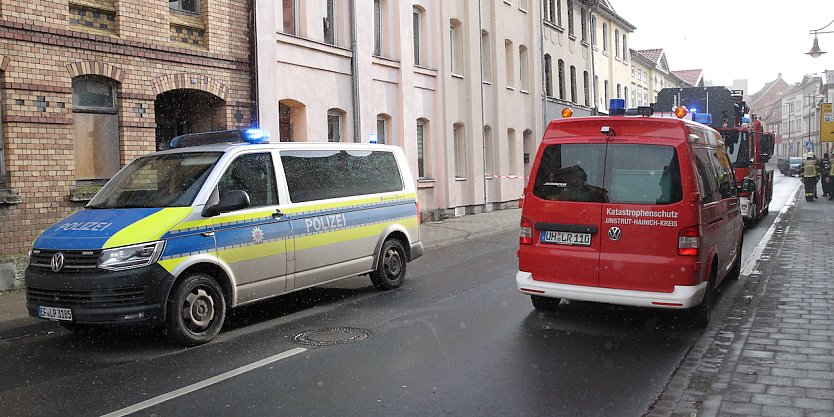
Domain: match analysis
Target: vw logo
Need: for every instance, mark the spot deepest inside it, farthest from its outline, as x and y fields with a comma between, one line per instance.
x=615, y=233
x=58, y=261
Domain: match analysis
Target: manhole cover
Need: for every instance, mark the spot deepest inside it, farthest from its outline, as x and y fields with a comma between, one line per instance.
x=331, y=337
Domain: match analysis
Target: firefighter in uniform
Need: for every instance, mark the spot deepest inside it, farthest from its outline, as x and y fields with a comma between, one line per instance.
x=809, y=177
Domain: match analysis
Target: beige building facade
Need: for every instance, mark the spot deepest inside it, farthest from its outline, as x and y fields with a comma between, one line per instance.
x=454, y=83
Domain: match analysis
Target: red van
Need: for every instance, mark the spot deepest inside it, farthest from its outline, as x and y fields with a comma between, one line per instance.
x=639, y=211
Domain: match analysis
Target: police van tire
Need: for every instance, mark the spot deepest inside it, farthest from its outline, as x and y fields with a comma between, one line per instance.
x=196, y=310
x=545, y=303
x=390, y=266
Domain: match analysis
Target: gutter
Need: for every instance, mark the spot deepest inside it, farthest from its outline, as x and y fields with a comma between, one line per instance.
x=357, y=122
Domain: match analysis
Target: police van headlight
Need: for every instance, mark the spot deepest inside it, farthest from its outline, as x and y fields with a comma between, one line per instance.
x=129, y=257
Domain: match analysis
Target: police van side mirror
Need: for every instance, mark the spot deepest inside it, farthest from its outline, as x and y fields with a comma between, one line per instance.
x=231, y=201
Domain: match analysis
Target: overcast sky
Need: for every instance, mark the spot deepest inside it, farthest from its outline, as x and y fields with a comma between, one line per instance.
x=734, y=39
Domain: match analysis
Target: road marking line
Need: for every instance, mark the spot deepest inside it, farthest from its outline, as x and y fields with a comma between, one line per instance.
x=202, y=384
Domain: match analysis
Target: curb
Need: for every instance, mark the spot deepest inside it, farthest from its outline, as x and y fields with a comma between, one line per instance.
x=25, y=326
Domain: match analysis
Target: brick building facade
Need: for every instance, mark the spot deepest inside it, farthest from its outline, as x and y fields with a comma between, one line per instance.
x=88, y=85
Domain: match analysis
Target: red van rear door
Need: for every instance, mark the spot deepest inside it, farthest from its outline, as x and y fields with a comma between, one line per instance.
x=565, y=210
x=642, y=218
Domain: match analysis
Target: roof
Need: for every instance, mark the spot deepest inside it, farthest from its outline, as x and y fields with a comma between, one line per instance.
x=651, y=54
x=692, y=77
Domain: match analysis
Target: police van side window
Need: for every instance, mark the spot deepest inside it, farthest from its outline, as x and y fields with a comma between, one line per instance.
x=707, y=176
x=320, y=175
x=255, y=174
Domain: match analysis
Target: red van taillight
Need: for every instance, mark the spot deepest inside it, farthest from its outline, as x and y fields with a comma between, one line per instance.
x=525, y=236
x=689, y=240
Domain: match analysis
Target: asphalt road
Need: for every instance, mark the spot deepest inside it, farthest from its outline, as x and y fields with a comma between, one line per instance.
x=456, y=339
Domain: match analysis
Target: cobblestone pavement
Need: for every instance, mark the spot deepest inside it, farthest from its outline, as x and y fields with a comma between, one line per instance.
x=774, y=354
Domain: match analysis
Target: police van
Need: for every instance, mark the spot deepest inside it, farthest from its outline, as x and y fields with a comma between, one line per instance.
x=223, y=219
x=639, y=211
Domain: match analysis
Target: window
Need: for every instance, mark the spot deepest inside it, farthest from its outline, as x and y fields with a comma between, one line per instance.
x=460, y=151
x=383, y=122
x=707, y=177
x=570, y=18
x=486, y=57
x=330, y=22
x=593, y=31
x=95, y=127
x=586, y=88
x=617, y=43
x=619, y=90
x=379, y=21
x=339, y=174
x=417, y=23
x=291, y=21
x=192, y=6
x=508, y=56
x=422, y=132
x=255, y=174
x=562, y=92
x=596, y=90
x=548, y=76
x=625, y=48
x=625, y=95
x=607, y=94
x=558, y=13
x=573, y=83
x=604, y=37
x=489, y=149
x=523, y=68
x=584, y=22
x=456, y=46
x=334, y=125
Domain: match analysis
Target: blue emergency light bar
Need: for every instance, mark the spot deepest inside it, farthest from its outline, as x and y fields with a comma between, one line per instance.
x=221, y=136
x=703, y=118
x=616, y=107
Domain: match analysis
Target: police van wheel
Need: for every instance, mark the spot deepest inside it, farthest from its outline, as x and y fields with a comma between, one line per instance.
x=196, y=310
x=545, y=303
x=390, y=267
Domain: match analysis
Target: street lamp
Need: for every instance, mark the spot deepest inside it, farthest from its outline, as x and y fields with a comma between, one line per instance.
x=815, y=51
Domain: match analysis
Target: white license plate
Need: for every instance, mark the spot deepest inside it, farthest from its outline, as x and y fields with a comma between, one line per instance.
x=55, y=313
x=566, y=238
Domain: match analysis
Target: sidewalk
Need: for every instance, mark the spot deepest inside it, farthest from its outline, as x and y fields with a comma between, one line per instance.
x=773, y=355
x=15, y=321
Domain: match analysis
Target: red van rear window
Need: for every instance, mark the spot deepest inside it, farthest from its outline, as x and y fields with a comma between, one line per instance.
x=616, y=173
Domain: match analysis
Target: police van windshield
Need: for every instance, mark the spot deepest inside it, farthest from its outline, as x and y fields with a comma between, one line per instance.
x=166, y=180
x=738, y=147
x=623, y=173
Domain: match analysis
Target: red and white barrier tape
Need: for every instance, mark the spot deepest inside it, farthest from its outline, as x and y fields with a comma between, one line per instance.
x=510, y=177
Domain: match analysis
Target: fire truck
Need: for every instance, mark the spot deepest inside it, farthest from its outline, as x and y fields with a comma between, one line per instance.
x=748, y=145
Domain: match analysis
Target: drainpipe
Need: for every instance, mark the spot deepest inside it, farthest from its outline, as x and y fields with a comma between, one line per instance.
x=544, y=78
x=357, y=122
x=483, y=112
x=253, y=63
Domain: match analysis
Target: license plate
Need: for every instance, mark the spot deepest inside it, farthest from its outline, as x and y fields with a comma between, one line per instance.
x=55, y=313
x=566, y=238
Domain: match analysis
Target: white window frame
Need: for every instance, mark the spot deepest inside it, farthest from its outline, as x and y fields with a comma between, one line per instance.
x=331, y=36
x=460, y=150
x=334, y=130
